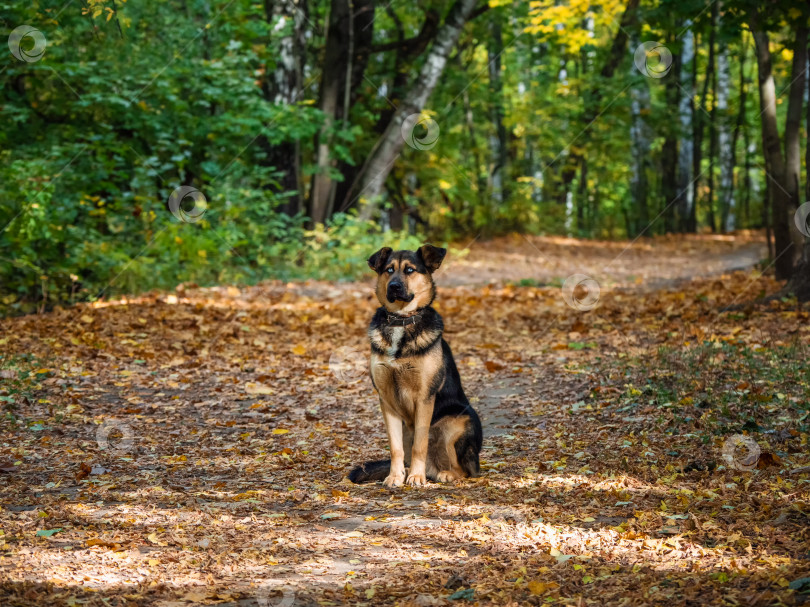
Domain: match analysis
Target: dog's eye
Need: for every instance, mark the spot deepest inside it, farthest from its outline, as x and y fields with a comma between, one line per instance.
x=409, y=270
x=390, y=270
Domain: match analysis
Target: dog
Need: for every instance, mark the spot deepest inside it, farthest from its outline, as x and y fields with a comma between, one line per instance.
x=431, y=426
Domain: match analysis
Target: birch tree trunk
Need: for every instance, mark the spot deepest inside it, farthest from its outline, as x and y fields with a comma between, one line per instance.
x=728, y=213
x=497, y=140
x=390, y=144
x=283, y=86
x=685, y=117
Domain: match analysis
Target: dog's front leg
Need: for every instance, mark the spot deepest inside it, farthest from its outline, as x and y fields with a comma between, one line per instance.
x=393, y=425
x=421, y=432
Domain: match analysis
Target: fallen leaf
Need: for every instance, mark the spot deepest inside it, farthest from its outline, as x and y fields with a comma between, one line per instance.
x=48, y=532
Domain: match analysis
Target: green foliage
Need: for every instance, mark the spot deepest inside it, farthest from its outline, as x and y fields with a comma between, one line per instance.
x=132, y=100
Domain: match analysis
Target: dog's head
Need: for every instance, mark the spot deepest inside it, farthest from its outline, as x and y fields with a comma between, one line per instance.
x=404, y=278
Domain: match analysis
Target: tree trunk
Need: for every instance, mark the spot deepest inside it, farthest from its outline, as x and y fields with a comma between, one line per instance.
x=793, y=170
x=669, y=152
x=348, y=44
x=728, y=211
x=480, y=181
x=772, y=150
x=640, y=137
x=336, y=54
x=390, y=144
x=739, y=126
x=800, y=281
x=282, y=87
x=700, y=118
x=712, y=155
x=497, y=141
x=685, y=115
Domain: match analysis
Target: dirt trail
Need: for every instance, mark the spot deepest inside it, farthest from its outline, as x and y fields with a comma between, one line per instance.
x=649, y=262
x=241, y=410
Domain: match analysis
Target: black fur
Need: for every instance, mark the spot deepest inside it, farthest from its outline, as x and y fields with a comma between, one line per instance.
x=370, y=471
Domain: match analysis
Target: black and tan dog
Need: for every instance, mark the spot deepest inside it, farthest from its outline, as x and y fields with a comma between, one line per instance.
x=431, y=426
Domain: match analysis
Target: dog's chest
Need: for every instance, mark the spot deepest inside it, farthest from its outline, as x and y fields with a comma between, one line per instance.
x=396, y=379
x=397, y=333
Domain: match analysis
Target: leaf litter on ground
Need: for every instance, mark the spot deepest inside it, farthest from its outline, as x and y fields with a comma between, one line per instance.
x=192, y=446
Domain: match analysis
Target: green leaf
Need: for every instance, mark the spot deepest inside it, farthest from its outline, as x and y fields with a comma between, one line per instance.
x=801, y=585
x=48, y=532
x=467, y=594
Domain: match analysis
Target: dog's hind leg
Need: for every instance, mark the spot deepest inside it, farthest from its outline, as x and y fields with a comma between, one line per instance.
x=449, y=431
x=467, y=455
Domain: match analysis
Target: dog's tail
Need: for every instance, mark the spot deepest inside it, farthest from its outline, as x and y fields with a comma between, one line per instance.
x=370, y=471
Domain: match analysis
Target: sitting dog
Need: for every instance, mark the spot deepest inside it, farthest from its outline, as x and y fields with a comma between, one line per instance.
x=430, y=424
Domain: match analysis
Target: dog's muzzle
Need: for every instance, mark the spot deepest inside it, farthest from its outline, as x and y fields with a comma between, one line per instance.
x=397, y=292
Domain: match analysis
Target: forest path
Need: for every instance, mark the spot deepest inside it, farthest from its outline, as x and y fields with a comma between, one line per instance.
x=650, y=262
x=190, y=448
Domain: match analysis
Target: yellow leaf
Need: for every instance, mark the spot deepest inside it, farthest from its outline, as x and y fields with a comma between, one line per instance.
x=87, y=319
x=195, y=596
x=537, y=588
x=251, y=388
x=299, y=350
x=279, y=431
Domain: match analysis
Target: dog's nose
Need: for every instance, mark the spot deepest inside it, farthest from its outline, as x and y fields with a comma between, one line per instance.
x=395, y=289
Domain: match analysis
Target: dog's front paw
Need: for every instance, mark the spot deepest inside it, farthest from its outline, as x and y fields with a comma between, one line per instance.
x=447, y=476
x=416, y=479
x=394, y=480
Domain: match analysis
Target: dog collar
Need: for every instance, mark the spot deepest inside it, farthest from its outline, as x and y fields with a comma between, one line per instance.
x=395, y=320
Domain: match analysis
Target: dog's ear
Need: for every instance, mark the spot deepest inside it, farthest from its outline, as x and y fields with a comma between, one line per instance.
x=431, y=256
x=377, y=261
